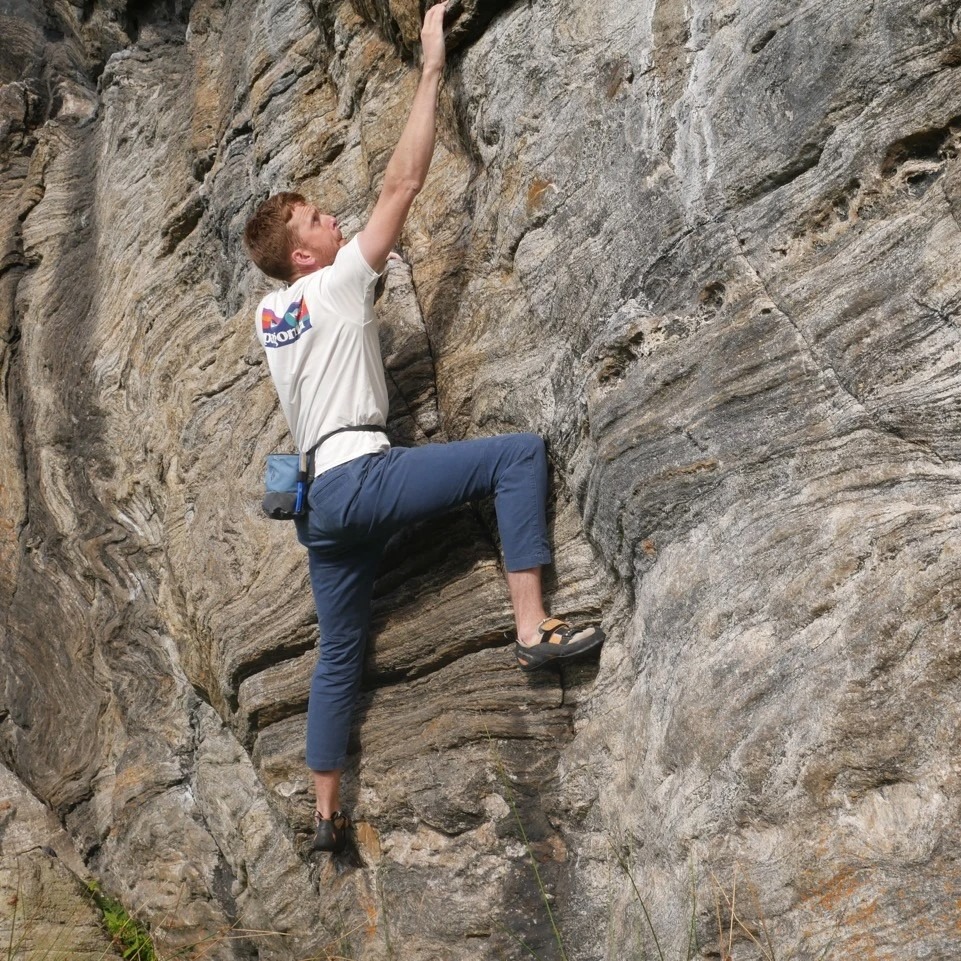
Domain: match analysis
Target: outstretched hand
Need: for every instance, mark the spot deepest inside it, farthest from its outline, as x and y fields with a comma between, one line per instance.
x=407, y=168
x=432, y=37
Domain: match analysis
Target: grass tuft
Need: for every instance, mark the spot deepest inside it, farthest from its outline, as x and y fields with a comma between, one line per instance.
x=129, y=936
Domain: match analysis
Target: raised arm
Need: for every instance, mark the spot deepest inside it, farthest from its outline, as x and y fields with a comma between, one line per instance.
x=408, y=165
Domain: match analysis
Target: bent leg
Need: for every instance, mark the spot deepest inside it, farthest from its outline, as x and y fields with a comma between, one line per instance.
x=410, y=484
x=527, y=600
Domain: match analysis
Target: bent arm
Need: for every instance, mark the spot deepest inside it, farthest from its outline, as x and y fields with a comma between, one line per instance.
x=407, y=169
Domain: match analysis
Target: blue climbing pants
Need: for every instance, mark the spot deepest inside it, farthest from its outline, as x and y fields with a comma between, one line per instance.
x=355, y=507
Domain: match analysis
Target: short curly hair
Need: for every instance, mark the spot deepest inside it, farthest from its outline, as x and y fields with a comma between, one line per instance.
x=268, y=236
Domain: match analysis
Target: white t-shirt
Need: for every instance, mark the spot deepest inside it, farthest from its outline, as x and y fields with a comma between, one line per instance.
x=324, y=357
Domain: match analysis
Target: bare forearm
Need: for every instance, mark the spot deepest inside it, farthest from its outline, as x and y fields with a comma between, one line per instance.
x=410, y=161
x=408, y=165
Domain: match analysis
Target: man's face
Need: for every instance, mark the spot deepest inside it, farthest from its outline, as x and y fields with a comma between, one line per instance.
x=318, y=239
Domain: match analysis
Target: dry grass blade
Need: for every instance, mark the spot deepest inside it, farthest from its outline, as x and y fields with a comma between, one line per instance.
x=733, y=901
x=766, y=953
x=630, y=877
x=692, y=946
x=13, y=919
x=761, y=921
x=515, y=938
x=717, y=912
x=502, y=773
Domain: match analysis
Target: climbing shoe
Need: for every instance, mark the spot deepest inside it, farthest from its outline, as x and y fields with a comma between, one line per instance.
x=331, y=833
x=559, y=642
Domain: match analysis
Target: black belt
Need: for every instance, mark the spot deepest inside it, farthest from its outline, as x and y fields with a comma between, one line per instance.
x=376, y=428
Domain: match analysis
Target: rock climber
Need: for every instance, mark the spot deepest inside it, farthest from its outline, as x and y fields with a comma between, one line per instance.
x=321, y=341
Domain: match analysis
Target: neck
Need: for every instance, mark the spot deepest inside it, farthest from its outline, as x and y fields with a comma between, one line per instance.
x=304, y=269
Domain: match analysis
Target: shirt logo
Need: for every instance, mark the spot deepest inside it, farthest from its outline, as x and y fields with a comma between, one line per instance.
x=280, y=331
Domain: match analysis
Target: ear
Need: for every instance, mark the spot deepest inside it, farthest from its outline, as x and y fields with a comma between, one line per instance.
x=302, y=258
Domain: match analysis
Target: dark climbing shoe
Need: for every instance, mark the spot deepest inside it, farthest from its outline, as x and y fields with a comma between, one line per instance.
x=331, y=833
x=559, y=642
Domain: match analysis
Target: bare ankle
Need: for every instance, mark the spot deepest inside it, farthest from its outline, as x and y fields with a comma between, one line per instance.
x=530, y=633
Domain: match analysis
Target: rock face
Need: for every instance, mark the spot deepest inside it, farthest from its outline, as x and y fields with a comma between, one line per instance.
x=710, y=252
x=45, y=909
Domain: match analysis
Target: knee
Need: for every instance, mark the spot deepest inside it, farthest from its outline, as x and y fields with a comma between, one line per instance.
x=517, y=449
x=339, y=663
x=532, y=444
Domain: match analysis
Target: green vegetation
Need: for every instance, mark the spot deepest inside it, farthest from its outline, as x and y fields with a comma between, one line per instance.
x=130, y=939
x=38, y=931
x=128, y=935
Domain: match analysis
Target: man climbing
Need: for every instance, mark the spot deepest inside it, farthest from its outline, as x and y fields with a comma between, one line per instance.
x=323, y=353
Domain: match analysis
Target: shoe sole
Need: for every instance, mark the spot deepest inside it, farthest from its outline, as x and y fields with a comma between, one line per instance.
x=334, y=841
x=528, y=660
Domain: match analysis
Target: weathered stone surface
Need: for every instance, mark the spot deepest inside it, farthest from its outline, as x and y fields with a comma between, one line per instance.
x=45, y=908
x=400, y=20
x=710, y=252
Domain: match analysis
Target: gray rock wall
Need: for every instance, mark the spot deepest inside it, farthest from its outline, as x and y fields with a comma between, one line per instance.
x=709, y=252
x=46, y=909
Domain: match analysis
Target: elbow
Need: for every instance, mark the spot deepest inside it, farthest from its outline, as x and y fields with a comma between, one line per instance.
x=403, y=186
